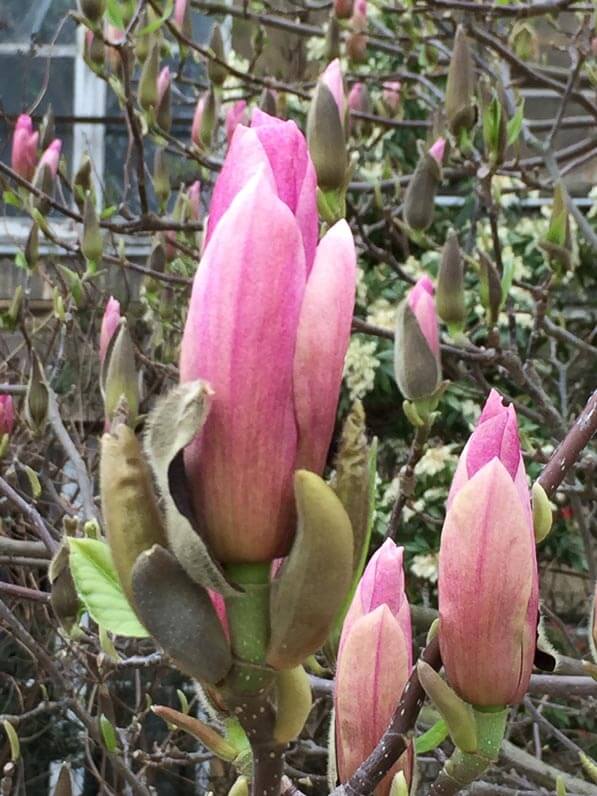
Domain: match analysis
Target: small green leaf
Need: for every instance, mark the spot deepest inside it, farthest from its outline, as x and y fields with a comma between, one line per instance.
x=98, y=587
x=114, y=14
x=33, y=482
x=21, y=261
x=11, y=198
x=156, y=24
x=108, y=212
x=107, y=644
x=108, y=733
x=13, y=740
x=515, y=124
x=432, y=738
x=507, y=278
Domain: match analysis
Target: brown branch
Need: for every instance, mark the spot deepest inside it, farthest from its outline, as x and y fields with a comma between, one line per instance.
x=569, y=449
x=31, y=514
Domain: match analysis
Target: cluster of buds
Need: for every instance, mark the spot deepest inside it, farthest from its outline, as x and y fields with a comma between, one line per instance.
x=242, y=442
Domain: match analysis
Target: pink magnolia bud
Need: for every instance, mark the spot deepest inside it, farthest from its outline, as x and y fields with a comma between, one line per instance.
x=275, y=383
x=7, y=414
x=237, y=114
x=182, y=17
x=437, y=150
x=358, y=98
x=110, y=322
x=374, y=663
x=24, y=147
x=488, y=582
x=421, y=302
x=391, y=95
x=277, y=149
x=51, y=157
x=343, y=8
x=163, y=83
x=359, y=16
x=333, y=79
x=194, y=196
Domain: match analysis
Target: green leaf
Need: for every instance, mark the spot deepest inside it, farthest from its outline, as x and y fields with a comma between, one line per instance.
x=157, y=23
x=114, y=14
x=507, y=278
x=515, y=124
x=33, y=481
x=108, y=733
x=21, y=261
x=432, y=738
x=108, y=212
x=98, y=587
x=184, y=702
x=11, y=198
x=13, y=740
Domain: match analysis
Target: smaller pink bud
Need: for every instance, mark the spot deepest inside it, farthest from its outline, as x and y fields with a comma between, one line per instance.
x=163, y=83
x=7, y=414
x=358, y=99
x=194, y=197
x=437, y=150
x=391, y=95
x=51, y=156
x=421, y=302
x=109, y=325
x=359, y=16
x=333, y=79
x=180, y=12
x=24, y=147
x=237, y=114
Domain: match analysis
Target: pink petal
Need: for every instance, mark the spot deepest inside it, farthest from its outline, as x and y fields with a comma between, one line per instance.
x=322, y=340
x=333, y=79
x=487, y=590
x=422, y=303
x=240, y=336
x=496, y=437
x=110, y=321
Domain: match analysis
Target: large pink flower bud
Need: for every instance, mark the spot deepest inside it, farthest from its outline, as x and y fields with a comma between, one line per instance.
x=421, y=302
x=269, y=335
x=110, y=322
x=237, y=114
x=488, y=583
x=278, y=149
x=374, y=663
x=7, y=414
x=24, y=147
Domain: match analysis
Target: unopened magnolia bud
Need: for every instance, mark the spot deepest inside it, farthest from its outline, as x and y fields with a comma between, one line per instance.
x=490, y=288
x=119, y=375
x=161, y=177
x=147, y=92
x=419, y=202
x=416, y=367
x=458, y=716
x=92, y=9
x=542, y=514
x=157, y=257
x=198, y=729
x=557, y=243
x=460, y=89
x=356, y=48
x=32, y=246
x=325, y=134
x=94, y=51
x=293, y=704
x=163, y=112
x=217, y=72
x=180, y=616
x=91, y=237
x=316, y=576
x=449, y=294
x=204, y=120
x=63, y=594
x=82, y=183
x=133, y=520
x=37, y=397
x=332, y=39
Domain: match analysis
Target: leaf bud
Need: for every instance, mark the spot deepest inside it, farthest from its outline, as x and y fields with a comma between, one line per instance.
x=147, y=92
x=217, y=72
x=490, y=288
x=449, y=295
x=37, y=397
x=91, y=237
x=92, y=9
x=325, y=135
x=161, y=178
x=293, y=704
x=460, y=89
x=119, y=375
x=419, y=202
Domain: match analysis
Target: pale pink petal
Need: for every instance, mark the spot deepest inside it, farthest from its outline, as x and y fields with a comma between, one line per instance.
x=240, y=336
x=322, y=340
x=333, y=79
